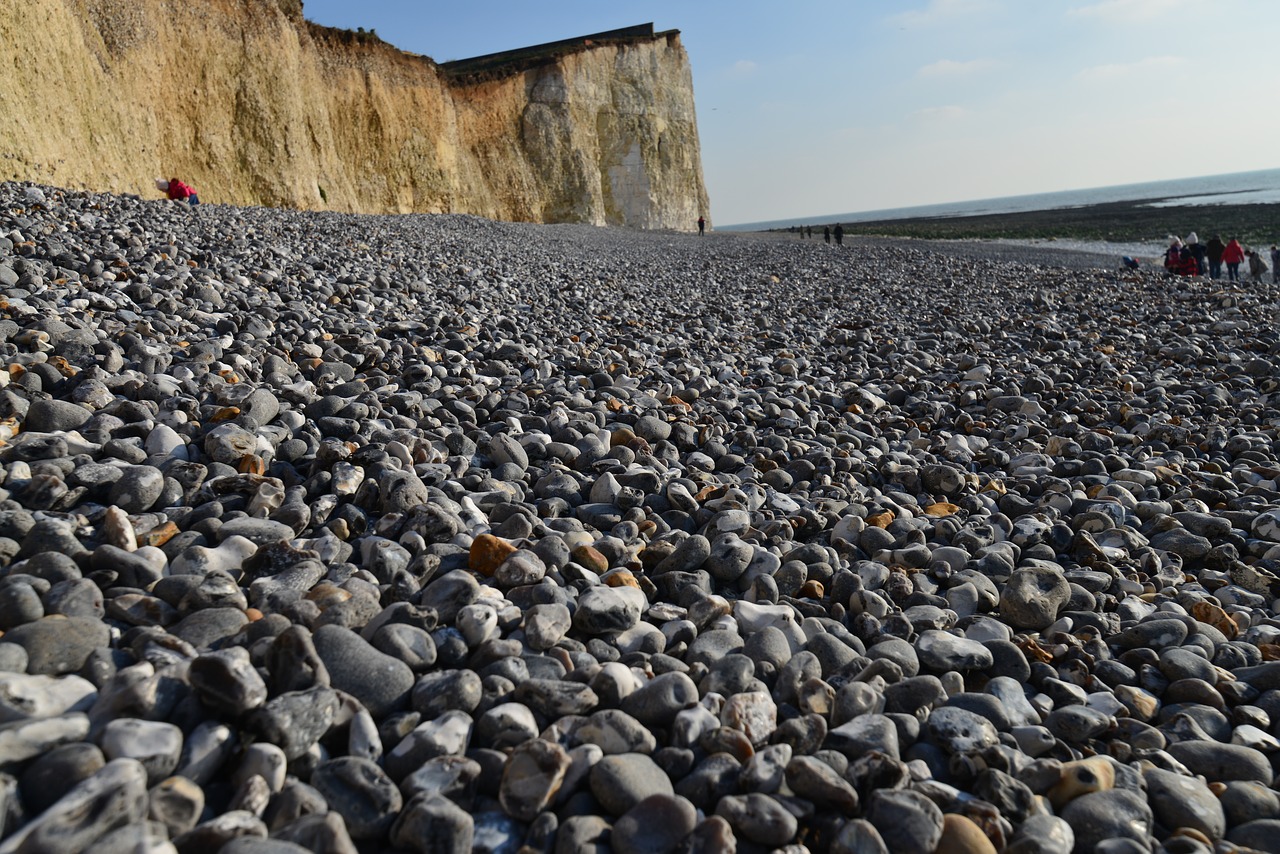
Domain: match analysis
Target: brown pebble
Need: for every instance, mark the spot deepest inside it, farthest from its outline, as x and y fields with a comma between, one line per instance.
x=159, y=535
x=590, y=558
x=962, y=836
x=620, y=578
x=1082, y=777
x=812, y=590
x=487, y=553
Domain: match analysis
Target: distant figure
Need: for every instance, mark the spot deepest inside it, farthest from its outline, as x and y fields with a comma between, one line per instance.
x=1187, y=264
x=1232, y=256
x=1256, y=266
x=1275, y=265
x=839, y=232
x=179, y=191
x=702, y=226
x=1197, y=251
x=809, y=229
x=1213, y=251
x=1173, y=256
x=826, y=233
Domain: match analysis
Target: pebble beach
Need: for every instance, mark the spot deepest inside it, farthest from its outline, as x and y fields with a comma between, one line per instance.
x=338, y=533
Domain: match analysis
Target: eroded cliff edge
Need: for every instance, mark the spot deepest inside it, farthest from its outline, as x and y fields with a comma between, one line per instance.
x=255, y=105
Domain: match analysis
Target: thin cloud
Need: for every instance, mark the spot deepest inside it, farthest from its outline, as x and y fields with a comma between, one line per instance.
x=1129, y=11
x=948, y=113
x=742, y=68
x=938, y=11
x=952, y=68
x=1112, y=71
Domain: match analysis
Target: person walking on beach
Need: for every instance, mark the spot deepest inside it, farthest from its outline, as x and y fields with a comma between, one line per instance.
x=826, y=233
x=1275, y=265
x=1256, y=266
x=1173, y=257
x=1232, y=256
x=1213, y=251
x=1197, y=251
x=839, y=232
x=702, y=226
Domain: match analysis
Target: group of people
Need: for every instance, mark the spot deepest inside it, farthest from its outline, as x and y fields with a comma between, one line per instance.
x=827, y=232
x=1193, y=258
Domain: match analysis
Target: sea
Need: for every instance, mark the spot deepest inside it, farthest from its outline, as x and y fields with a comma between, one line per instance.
x=1240, y=188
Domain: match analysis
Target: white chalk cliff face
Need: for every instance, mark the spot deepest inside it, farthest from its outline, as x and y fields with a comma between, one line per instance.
x=253, y=105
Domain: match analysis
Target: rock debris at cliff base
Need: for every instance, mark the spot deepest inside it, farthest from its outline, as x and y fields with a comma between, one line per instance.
x=423, y=534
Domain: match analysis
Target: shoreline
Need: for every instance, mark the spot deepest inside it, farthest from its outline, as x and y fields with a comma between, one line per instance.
x=1130, y=222
x=1047, y=252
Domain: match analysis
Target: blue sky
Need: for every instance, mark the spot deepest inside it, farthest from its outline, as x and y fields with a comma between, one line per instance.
x=850, y=105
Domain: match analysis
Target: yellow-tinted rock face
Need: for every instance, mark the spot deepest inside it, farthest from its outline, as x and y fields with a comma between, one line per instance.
x=253, y=105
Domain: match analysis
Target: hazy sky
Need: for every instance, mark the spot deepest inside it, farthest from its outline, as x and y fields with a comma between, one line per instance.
x=851, y=105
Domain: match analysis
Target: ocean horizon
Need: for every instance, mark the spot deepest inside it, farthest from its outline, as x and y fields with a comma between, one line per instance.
x=1256, y=187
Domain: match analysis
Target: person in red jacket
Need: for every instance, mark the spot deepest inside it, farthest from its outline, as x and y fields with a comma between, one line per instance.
x=180, y=192
x=1232, y=256
x=1187, y=264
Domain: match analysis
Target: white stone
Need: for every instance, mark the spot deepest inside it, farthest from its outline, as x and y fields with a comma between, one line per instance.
x=229, y=556
x=25, y=697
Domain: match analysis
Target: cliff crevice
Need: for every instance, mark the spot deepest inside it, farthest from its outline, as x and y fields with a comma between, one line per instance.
x=254, y=105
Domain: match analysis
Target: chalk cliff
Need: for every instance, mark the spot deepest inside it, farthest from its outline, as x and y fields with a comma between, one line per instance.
x=254, y=105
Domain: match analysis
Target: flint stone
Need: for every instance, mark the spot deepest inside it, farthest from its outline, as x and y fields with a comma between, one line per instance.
x=155, y=744
x=432, y=824
x=1222, y=762
x=1043, y=834
x=961, y=731
x=1033, y=596
x=942, y=652
x=608, y=609
x=362, y=793
x=1114, y=814
x=59, y=645
x=55, y=416
x=758, y=818
x=111, y=798
x=24, y=697
x=296, y=720
x=656, y=825
x=227, y=681
x=656, y=703
x=137, y=489
x=864, y=734
x=377, y=680
x=55, y=773
x=858, y=836
x=907, y=821
x=1257, y=835
x=818, y=782
x=1180, y=801
x=621, y=781
x=584, y=834
x=532, y=778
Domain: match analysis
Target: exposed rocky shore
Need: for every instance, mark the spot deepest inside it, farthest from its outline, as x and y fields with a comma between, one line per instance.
x=1138, y=220
x=434, y=534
